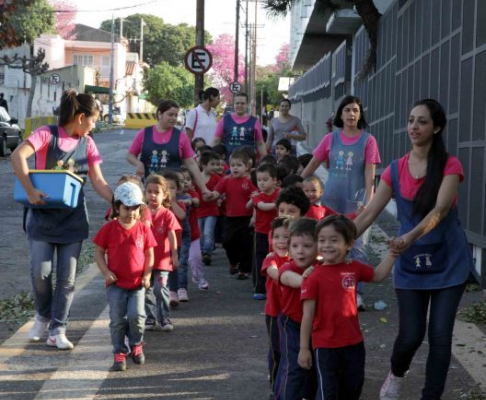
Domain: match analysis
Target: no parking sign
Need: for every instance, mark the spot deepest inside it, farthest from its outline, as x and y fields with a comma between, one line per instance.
x=198, y=60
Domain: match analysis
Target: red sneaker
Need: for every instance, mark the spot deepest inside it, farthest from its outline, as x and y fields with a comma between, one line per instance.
x=137, y=354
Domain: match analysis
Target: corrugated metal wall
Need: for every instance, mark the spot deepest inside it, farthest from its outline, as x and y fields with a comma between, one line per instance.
x=427, y=48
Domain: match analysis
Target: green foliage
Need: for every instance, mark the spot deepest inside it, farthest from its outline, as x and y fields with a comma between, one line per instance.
x=161, y=41
x=18, y=308
x=30, y=22
x=168, y=82
x=475, y=313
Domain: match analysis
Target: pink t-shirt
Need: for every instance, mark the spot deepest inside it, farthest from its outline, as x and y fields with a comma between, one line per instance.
x=185, y=149
x=372, y=154
x=239, y=120
x=409, y=186
x=40, y=140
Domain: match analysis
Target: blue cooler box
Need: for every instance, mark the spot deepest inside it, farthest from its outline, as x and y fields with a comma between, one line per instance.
x=62, y=187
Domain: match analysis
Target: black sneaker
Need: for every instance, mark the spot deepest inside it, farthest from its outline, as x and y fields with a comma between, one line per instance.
x=233, y=270
x=242, y=276
x=137, y=354
x=206, y=259
x=120, y=362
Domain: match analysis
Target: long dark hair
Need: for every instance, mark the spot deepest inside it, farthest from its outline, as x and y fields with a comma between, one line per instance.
x=426, y=197
x=73, y=104
x=208, y=93
x=348, y=100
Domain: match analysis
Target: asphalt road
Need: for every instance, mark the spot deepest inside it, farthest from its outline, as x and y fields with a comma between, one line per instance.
x=218, y=347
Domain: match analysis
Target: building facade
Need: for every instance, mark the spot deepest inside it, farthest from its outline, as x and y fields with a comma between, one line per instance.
x=426, y=48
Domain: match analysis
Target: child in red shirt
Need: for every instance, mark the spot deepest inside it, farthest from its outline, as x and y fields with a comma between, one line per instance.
x=164, y=228
x=125, y=256
x=265, y=212
x=313, y=190
x=294, y=382
x=329, y=311
x=279, y=256
x=237, y=234
x=195, y=257
x=207, y=213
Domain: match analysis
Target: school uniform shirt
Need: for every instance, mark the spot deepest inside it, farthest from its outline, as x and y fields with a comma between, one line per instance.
x=126, y=251
x=263, y=220
x=290, y=297
x=208, y=208
x=195, y=232
x=181, y=224
x=319, y=212
x=333, y=287
x=237, y=194
x=163, y=221
x=273, y=307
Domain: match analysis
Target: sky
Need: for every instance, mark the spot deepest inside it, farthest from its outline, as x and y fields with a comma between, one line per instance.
x=220, y=17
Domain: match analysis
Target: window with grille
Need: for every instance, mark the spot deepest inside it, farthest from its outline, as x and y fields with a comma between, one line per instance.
x=83, y=59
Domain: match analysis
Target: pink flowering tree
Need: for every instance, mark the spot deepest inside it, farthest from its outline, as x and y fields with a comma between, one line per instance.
x=65, y=17
x=222, y=71
x=282, y=63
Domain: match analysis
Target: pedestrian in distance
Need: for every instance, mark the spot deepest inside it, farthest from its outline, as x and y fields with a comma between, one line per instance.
x=330, y=315
x=350, y=155
x=59, y=231
x=435, y=259
x=285, y=126
x=201, y=121
x=125, y=256
x=240, y=129
x=3, y=102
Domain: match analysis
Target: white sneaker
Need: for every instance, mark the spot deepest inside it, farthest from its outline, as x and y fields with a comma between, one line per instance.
x=391, y=387
x=60, y=341
x=203, y=284
x=360, y=303
x=182, y=295
x=166, y=325
x=37, y=330
x=174, y=299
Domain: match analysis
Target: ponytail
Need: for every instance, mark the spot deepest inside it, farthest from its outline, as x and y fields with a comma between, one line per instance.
x=426, y=197
x=208, y=93
x=73, y=104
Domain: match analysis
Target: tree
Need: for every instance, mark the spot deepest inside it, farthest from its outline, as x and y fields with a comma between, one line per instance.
x=222, y=71
x=161, y=41
x=24, y=21
x=366, y=10
x=34, y=66
x=282, y=62
x=65, y=17
x=168, y=82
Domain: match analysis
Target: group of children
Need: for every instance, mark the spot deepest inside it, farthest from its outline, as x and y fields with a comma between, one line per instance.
x=275, y=229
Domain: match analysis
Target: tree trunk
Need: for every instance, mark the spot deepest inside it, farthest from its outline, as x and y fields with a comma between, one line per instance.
x=33, y=84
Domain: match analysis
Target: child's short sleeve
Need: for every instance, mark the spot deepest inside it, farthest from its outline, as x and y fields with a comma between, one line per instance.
x=221, y=186
x=366, y=273
x=310, y=288
x=149, y=237
x=101, y=238
x=268, y=262
x=171, y=221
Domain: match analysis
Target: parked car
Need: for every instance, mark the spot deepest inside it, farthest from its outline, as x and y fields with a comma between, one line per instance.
x=117, y=117
x=10, y=133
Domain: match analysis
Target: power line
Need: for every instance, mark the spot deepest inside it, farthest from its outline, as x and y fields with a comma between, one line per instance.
x=110, y=9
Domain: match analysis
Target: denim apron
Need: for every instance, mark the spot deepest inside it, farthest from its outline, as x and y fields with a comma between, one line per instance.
x=61, y=225
x=157, y=156
x=345, y=188
x=439, y=259
x=237, y=135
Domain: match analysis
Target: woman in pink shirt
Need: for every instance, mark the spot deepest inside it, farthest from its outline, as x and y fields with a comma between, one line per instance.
x=60, y=231
x=163, y=146
x=350, y=155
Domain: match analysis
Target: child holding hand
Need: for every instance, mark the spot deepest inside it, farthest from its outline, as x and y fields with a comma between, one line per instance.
x=330, y=314
x=237, y=234
x=164, y=227
x=125, y=256
x=313, y=190
x=271, y=264
x=265, y=207
x=294, y=382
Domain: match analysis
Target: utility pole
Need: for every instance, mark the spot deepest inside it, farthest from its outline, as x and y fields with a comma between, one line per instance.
x=121, y=28
x=237, y=40
x=112, y=70
x=199, y=78
x=141, y=39
x=246, y=48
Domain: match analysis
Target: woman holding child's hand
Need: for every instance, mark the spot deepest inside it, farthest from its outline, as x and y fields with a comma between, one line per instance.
x=435, y=260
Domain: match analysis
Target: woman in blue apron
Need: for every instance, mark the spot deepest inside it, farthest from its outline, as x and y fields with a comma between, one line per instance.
x=60, y=231
x=435, y=259
x=350, y=155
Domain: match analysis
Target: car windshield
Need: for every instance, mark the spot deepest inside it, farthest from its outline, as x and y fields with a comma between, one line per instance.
x=4, y=117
